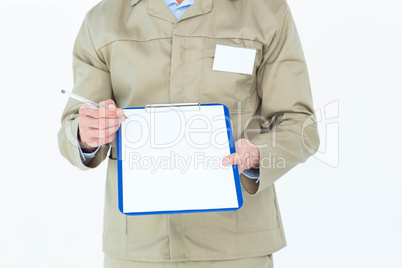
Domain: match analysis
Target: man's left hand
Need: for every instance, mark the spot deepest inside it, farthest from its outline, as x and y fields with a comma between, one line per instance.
x=247, y=156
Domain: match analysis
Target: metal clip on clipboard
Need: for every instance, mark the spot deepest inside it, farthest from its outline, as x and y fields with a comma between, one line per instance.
x=164, y=107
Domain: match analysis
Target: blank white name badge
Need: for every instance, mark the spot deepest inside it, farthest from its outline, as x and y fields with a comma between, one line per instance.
x=234, y=59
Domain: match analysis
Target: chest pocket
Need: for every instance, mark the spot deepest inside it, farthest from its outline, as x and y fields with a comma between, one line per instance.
x=229, y=88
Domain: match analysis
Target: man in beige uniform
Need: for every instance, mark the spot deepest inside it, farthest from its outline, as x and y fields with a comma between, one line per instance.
x=135, y=52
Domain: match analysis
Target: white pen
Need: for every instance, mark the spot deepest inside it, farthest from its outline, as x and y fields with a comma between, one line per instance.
x=82, y=99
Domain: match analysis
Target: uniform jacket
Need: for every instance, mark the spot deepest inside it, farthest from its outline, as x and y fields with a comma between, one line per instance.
x=137, y=53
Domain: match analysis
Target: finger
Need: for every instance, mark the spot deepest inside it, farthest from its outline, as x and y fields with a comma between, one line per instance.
x=101, y=123
x=107, y=112
x=111, y=109
x=228, y=160
x=233, y=159
x=100, y=133
x=95, y=142
x=86, y=109
x=82, y=137
x=110, y=138
x=107, y=103
x=84, y=134
x=242, y=167
x=108, y=109
x=241, y=143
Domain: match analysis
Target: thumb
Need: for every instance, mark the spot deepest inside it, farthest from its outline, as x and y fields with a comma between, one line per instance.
x=232, y=159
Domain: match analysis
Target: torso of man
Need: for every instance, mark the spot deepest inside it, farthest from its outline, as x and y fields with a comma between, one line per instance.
x=137, y=52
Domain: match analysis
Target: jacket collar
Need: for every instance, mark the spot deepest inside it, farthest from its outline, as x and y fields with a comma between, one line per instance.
x=199, y=7
x=158, y=8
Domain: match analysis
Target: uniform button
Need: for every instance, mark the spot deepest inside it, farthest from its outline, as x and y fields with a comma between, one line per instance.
x=178, y=11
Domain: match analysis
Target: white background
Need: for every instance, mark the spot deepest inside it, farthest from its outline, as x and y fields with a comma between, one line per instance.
x=340, y=209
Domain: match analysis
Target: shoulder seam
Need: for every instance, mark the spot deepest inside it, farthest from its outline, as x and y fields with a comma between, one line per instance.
x=280, y=25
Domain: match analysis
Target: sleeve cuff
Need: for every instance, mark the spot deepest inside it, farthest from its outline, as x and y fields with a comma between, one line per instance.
x=87, y=157
x=252, y=173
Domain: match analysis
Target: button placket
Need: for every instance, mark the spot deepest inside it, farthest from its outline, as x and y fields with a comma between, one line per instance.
x=176, y=62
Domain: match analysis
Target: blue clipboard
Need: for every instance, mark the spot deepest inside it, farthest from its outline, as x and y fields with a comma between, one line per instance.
x=130, y=175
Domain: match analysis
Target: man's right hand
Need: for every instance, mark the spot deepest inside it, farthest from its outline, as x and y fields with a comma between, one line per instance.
x=98, y=126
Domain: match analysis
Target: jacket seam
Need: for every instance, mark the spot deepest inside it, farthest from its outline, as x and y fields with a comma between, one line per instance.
x=280, y=28
x=161, y=38
x=197, y=258
x=93, y=44
x=135, y=40
x=212, y=37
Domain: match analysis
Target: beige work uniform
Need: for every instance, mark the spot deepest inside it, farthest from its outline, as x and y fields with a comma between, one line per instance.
x=137, y=53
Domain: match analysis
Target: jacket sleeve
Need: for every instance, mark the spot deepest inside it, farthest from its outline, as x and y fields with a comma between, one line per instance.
x=92, y=81
x=286, y=115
